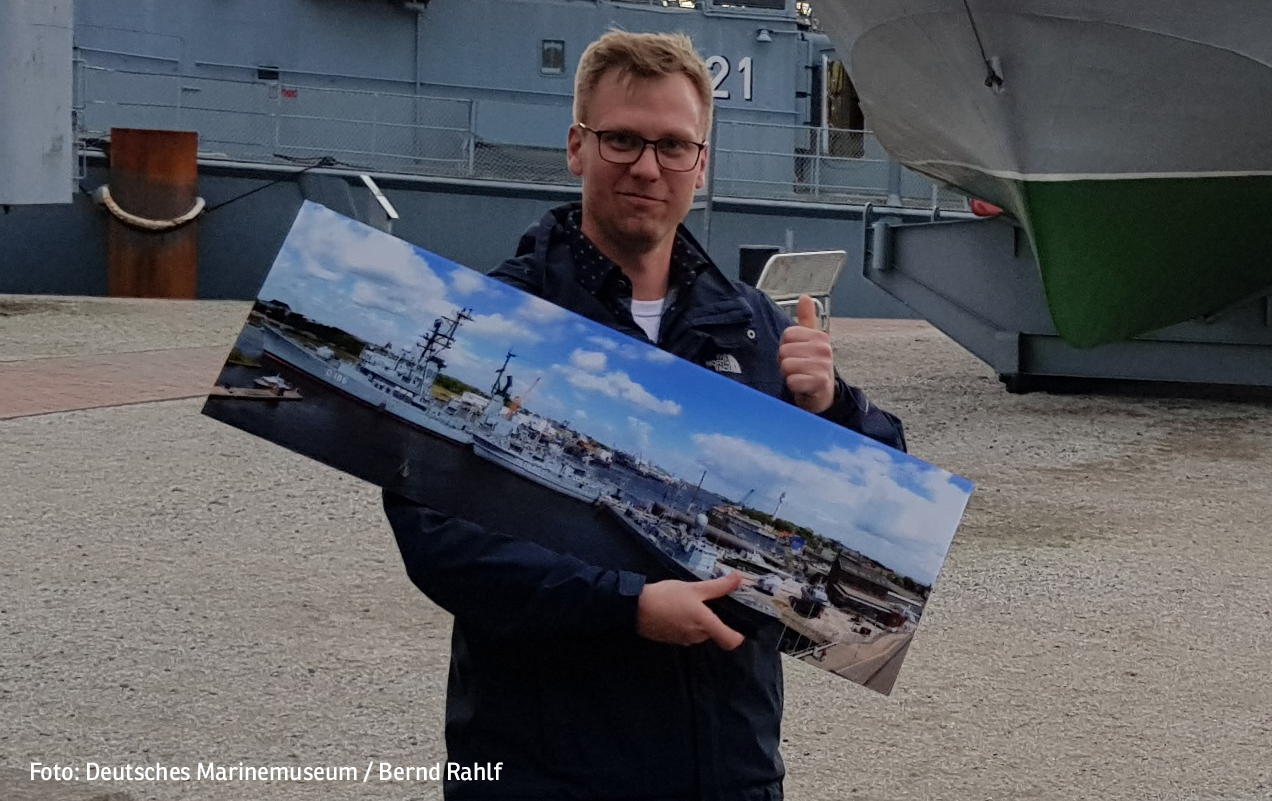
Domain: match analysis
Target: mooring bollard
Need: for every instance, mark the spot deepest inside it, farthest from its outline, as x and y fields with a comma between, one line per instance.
x=154, y=201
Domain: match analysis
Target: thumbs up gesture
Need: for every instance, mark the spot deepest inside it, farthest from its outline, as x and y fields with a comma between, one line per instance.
x=807, y=361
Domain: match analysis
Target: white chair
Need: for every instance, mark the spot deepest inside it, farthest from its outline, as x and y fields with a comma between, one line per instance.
x=786, y=276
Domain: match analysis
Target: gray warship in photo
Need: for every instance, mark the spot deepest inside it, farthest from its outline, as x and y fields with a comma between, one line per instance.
x=397, y=382
x=545, y=465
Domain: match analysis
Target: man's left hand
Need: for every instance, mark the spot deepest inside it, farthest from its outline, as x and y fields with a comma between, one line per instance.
x=807, y=361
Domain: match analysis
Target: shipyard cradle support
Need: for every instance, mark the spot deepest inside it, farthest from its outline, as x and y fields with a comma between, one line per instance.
x=976, y=281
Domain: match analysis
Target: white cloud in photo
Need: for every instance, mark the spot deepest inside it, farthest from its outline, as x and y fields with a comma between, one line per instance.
x=916, y=497
x=380, y=275
x=604, y=343
x=540, y=312
x=741, y=462
x=617, y=384
x=288, y=281
x=467, y=282
x=864, y=466
x=631, y=350
x=381, y=329
x=387, y=262
x=467, y=366
x=295, y=268
x=376, y=296
x=625, y=347
x=588, y=360
x=316, y=269
x=499, y=327
x=410, y=318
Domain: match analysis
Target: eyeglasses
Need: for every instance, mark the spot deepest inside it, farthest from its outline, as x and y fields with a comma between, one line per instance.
x=625, y=147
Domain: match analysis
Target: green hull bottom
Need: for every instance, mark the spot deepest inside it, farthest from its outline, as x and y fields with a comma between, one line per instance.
x=1121, y=258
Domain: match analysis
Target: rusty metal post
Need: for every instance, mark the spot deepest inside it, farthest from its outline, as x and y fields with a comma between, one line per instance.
x=153, y=174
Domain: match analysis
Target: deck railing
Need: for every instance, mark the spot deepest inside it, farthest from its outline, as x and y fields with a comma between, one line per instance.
x=272, y=121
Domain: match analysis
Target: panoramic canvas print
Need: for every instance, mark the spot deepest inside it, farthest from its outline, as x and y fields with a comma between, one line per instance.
x=427, y=378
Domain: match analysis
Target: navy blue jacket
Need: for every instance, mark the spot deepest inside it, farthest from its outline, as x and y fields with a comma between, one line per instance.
x=548, y=675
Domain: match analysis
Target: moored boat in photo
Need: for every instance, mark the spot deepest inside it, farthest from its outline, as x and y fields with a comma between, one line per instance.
x=366, y=385
x=541, y=464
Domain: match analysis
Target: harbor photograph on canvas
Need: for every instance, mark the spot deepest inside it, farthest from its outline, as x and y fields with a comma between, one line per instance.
x=429, y=379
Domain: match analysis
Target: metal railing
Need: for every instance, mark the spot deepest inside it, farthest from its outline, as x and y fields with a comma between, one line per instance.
x=266, y=121
x=269, y=121
x=828, y=165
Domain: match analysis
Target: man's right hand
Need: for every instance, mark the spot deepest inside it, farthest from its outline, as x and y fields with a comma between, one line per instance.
x=676, y=612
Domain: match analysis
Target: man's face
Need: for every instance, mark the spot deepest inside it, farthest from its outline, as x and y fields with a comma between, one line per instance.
x=634, y=208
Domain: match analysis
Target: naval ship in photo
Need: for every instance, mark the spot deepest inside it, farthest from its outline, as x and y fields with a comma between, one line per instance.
x=681, y=546
x=397, y=382
x=527, y=445
x=514, y=448
x=400, y=382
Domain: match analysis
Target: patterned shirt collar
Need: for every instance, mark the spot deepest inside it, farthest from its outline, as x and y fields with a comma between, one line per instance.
x=600, y=276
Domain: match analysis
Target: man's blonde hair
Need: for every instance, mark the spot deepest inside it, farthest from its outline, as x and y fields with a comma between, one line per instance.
x=642, y=55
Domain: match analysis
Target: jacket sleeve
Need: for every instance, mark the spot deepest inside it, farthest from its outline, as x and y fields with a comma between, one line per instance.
x=852, y=409
x=505, y=586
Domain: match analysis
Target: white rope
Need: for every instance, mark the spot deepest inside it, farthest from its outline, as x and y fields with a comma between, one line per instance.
x=102, y=196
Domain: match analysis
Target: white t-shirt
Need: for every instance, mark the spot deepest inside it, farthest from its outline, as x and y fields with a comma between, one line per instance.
x=648, y=315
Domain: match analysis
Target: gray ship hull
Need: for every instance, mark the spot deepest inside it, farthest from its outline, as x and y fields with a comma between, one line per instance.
x=347, y=379
x=559, y=477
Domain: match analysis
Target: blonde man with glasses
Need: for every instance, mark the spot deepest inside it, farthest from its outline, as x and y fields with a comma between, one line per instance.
x=585, y=669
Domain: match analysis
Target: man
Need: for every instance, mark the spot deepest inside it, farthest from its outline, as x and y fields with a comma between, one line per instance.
x=604, y=678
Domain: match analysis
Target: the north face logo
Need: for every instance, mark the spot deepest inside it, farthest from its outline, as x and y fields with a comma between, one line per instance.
x=725, y=363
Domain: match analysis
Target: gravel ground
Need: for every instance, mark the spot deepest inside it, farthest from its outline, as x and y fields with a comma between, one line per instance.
x=34, y=326
x=172, y=591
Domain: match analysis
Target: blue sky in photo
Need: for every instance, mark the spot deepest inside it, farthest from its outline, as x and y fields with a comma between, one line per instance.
x=626, y=393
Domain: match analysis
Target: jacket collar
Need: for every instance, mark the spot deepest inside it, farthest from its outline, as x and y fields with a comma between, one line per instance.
x=713, y=300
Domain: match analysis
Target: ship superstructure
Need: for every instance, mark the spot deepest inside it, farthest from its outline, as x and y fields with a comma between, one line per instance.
x=411, y=373
x=398, y=382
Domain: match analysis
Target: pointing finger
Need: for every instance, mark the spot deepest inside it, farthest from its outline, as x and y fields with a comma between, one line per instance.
x=720, y=587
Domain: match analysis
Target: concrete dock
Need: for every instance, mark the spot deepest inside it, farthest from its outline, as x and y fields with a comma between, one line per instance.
x=174, y=592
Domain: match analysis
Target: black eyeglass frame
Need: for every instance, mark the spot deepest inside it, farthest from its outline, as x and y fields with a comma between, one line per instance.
x=646, y=143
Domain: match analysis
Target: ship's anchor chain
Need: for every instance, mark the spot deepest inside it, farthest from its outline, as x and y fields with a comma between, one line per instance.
x=102, y=197
x=993, y=69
